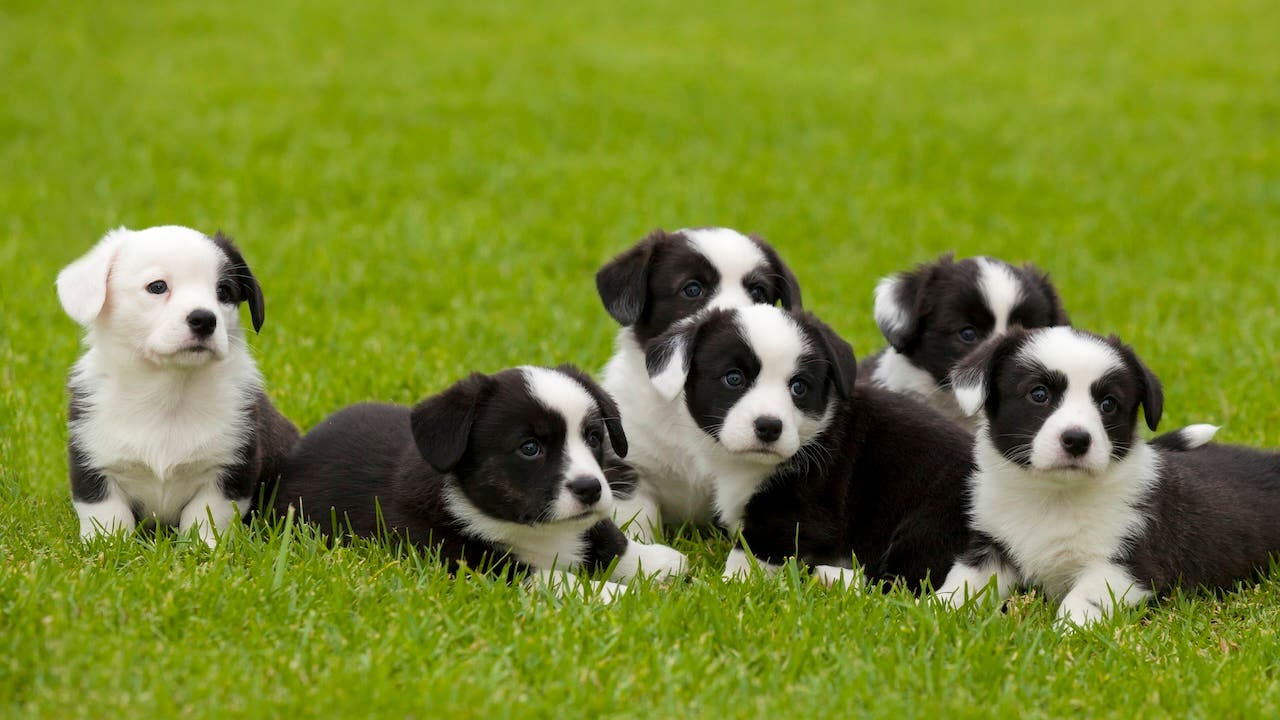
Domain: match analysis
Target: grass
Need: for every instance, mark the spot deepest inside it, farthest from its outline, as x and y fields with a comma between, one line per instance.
x=427, y=189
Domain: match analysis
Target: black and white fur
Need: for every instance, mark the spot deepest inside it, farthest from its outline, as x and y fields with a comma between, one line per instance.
x=941, y=311
x=665, y=278
x=499, y=470
x=804, y=462
x=1068, y=497
x=168, y=418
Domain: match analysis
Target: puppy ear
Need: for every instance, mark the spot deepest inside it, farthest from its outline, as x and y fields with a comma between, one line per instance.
x=608, y=408
x=901, y=300
x=623, y=283
x=973, y=376
x=82, y=285
x=1151, y=390
x=441, y=424
x=667, y=358
x=1057, y=314
x=239, y=271
x=785, y=281
x=843, y=368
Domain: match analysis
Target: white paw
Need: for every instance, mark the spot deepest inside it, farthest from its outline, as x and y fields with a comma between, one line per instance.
x=607, y=592
x=739, y=566
x=661, y=562
x=1075, y=612
x=833, y=576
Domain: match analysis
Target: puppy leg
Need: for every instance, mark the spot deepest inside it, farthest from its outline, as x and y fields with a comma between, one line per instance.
x=638, y=515
x=606, y=543
x=210, y=503
x=834, y=576
x=563, y=584
x=739, y=566
x=108, y=516
x=967, y=581
x=1097, y=592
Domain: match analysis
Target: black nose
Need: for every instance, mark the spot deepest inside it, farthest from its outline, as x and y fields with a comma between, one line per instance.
x=202, y=322
x=1076, y=442
x=768, y=428
x=585, y=488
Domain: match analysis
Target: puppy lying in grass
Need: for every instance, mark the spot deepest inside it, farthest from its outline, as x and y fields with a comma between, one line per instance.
x=499, y=471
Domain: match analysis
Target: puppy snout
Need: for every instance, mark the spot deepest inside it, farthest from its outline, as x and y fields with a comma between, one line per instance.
x=768, y=428
x=585, y=488
x=202, y=322
x=1076, y=441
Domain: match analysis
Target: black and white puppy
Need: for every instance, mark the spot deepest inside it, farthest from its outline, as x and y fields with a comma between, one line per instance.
x=168, y=417
x=1068, y=497
x=804, y=462
x=498, y=470
x=941, y=311
x=663, y=279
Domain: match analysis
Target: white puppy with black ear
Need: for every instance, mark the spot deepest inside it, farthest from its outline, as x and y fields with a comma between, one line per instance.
x=168, y=418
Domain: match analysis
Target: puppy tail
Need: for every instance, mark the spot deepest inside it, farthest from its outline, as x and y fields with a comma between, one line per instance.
x=1186, y=438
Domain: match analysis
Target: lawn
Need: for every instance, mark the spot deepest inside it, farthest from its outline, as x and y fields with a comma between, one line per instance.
x=426, y=189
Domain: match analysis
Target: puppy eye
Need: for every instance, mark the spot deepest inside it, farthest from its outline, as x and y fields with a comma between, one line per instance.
x=692, y=289
x=225, y=295
x=1108, y=405
x=594, y=439
x=759, y=294
x=734, y=379
x=1039, y=395
x=530, y=448
x=969, y=334
x=799, y=388
x=158, y=287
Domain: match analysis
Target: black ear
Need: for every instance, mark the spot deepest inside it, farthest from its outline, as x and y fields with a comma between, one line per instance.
x=787, y=285
x=1151, y=389
x=668, y=356
x=623, y=283
x=843, y=368
x=1057, y=313
x=902, y=300
x=441, y=424
x=608, y=408
x=973, y=377
x=239, y=271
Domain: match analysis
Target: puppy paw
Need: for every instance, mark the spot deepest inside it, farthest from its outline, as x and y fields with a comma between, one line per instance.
x=839, y=577
x=1077, y=612
x=607, y=592
x=660, y=562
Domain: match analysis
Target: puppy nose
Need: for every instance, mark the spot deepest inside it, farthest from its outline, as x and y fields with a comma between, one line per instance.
x=202, y=322
x=1076, y=442
x=585, y=488
x=768, y=428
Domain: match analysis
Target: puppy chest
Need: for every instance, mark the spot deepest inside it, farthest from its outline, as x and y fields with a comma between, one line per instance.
x=162, y=495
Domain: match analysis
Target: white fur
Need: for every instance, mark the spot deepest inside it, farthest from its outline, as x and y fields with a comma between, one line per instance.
x=967, y=582
x=739, y=566
x=655, y=561
x=890, y=316
x=560, y=393
x=554, y=545
x=160, y=421
x=1001, y=289
x=562, y=584
x=734, y=256
x=895, y=371
x=841, y=577
x=1200, y=434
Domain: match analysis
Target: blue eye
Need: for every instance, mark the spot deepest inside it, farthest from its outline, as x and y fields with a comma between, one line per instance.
x=1108, y=405
x=158, y=287
x=594, y=439
x=759, y=294
x=969, y=334
x=530, y=448
x=734, y=379
x=1039, y=395
x=692, y=290
x=799, y=388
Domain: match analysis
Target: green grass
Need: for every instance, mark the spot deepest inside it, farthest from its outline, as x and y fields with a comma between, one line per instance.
x=427, y=190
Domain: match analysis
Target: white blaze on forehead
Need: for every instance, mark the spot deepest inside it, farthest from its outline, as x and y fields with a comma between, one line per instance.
x=1081, y=358
x=1001, y=289
x=734, y=256
x=565, y=396
x=774, y=337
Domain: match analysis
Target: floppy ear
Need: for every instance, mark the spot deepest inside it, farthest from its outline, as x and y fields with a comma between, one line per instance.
x=1057, y=313
x=901, y=300
x=623, y=283
x=608, y=408
x=973, y=376
x=82, y=285
x=787, y=285
x=667, y=358
x=843, y=368
x=1151, y=389
x=248, y=284
x=441, y=424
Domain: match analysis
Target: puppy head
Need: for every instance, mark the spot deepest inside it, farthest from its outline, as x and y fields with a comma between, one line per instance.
x=169, y=295
x=1057, y=400
x=940, y=311
x=524, y=445
x=761, y=381
x=670, y=276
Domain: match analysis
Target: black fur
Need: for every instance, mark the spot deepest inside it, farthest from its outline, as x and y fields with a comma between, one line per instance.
x=240, y=282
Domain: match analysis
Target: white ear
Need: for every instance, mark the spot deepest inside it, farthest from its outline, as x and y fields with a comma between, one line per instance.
x=891, y=317
x=668, y=370
x=82, y=285
x=970, y=388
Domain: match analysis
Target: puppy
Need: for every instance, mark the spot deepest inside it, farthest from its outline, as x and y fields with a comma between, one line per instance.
x=1069, y=498
x=663, y=279
x=941, y=311
x=498, y=470
x=168, y=418
x=804, y=462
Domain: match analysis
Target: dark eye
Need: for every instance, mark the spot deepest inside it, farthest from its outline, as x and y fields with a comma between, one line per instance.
x=530, y=448
x=594, y=439
x=225, y=295
x=969, y=334
x=799, y=388
x=692, y=289
x=1039, y=395
x=1108, y=405
x=158, y=287
x=734, y=379
x=758, y=294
